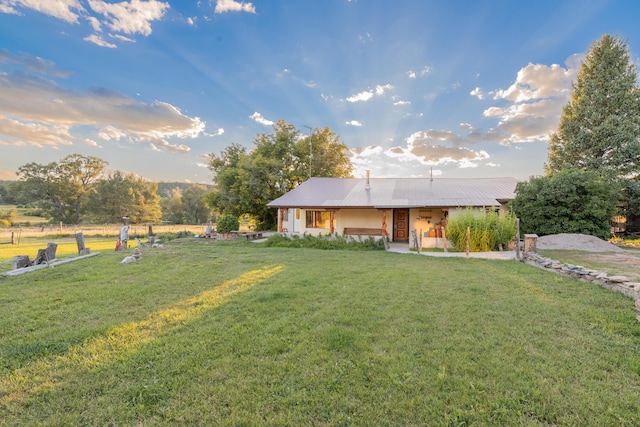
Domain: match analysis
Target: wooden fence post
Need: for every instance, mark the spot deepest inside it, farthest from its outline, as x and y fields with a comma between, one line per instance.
x=444, y=238
x=466, y=245
x=518, y=239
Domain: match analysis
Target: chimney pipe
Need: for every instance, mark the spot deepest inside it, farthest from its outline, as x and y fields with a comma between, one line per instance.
x=367, y=186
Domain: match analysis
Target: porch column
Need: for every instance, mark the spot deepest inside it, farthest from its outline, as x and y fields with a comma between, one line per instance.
x=332, y=221
x=280, y=215
x=384, y=223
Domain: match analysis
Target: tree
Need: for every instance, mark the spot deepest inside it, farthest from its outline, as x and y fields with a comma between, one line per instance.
x=246, y=182
x=59, y=189
x=121, y=195
x=568, y=201
x=172, y=206
x=194, y=209
x=600, y=126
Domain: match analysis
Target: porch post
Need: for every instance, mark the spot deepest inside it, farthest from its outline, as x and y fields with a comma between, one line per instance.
x=384, y=223
x=332, y=219
x=279, y=220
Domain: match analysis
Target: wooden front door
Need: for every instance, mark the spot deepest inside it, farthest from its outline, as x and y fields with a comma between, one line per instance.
x=401, y=225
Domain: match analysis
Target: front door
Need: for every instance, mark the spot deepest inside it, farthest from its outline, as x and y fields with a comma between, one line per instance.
x=401, y=225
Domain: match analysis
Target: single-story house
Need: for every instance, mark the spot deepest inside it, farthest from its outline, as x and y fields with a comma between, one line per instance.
x=389, y=207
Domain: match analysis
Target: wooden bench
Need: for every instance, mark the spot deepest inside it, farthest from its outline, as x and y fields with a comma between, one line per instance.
x=360, y=231
x=250, y=235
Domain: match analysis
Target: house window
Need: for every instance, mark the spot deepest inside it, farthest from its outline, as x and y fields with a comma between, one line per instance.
x=318, y=219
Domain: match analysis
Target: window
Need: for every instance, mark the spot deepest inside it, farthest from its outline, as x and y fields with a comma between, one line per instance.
x=318, y=219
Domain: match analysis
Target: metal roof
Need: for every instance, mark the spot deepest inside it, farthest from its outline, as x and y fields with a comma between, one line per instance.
x=397, y=193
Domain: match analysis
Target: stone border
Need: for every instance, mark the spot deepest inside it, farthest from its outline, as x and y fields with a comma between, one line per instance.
x=621, y=284
x=52, y=263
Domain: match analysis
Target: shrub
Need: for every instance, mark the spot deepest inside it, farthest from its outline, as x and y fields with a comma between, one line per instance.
x=488, y=230
x=569, y=201
x=227, y=224
x=324, y=242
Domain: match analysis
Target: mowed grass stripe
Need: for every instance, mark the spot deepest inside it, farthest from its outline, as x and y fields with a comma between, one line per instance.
x=120, y=341
x=338, y=338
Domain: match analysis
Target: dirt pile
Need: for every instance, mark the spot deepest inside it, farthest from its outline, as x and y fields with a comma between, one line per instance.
x=580, y=242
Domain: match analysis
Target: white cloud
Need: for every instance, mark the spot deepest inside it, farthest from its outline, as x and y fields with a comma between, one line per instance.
x=354, y=123
x=477, y=92
x=537, y=81
x=402, y=103
x=537, y=97
x=233, y=6
x=258, y=118
x=368, y=94
x=132, y=17
x=362, y=96
x=96, y=39
x=423, y=72
x=380, y=89
x=91, y=143
x=67, y=10
x=191, y=20
x=128, y=17
x=38, y=112
x=95, y=23
x=219, y=132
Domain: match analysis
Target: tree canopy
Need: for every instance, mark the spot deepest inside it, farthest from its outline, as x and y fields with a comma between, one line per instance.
x=568, y=201
x=59, y=188
x=600, y=126
x=124, y=195
x=246, y=181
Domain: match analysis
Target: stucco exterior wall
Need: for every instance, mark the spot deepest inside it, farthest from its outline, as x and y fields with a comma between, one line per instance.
x=365, y=218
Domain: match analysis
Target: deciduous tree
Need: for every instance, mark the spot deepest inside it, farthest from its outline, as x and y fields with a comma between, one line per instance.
x=568, y=201
x=60, y=188
x=246, y=181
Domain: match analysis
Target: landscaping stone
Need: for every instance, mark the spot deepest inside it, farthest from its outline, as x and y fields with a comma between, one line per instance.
x=620, y=284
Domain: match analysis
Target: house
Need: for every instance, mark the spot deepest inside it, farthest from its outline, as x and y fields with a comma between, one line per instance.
x=386, y=206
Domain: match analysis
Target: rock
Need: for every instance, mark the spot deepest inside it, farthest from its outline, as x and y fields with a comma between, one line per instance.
x=619, y=279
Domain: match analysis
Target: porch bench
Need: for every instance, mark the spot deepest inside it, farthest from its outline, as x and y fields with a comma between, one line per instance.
x=360, y=231
x=251, y=235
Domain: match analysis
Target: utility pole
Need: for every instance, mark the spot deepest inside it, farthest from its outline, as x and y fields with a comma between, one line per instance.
x=310, y=149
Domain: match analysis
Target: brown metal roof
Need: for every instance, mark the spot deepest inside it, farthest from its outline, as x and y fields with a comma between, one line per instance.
x=397, y=193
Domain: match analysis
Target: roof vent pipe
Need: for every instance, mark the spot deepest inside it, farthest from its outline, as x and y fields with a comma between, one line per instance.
x=367, y=185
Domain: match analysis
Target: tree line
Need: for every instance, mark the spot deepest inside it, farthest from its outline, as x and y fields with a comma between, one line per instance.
x=593, y=169
x=76, y=189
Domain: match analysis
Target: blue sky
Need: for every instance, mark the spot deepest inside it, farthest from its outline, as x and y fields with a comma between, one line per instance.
x=463, y=88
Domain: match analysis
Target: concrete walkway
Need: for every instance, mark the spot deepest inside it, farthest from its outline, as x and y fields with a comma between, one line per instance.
x=403, y=248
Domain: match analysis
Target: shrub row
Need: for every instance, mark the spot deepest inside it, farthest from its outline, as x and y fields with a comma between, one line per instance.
x=324, y=242
x=489, y=231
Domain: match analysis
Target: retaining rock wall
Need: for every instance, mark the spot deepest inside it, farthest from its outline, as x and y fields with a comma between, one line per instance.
x=620, y=284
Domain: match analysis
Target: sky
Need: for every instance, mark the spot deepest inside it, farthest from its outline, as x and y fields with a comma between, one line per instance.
x=456, y=89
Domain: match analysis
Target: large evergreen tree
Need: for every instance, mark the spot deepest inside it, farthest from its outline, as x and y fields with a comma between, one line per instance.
x=600, y=126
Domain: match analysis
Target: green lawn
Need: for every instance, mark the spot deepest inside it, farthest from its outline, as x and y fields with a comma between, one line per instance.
x=233, y=333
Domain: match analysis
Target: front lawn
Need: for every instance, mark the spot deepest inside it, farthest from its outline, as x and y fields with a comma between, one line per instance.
x=205, y=332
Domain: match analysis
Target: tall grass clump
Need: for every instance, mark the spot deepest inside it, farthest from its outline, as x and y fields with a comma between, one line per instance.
x=489, y=231
x=324, y=242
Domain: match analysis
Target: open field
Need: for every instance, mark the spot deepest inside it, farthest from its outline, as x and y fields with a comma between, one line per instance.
x=205, y=332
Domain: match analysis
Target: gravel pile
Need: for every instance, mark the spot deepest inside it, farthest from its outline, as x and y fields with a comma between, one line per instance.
x=581, y=242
